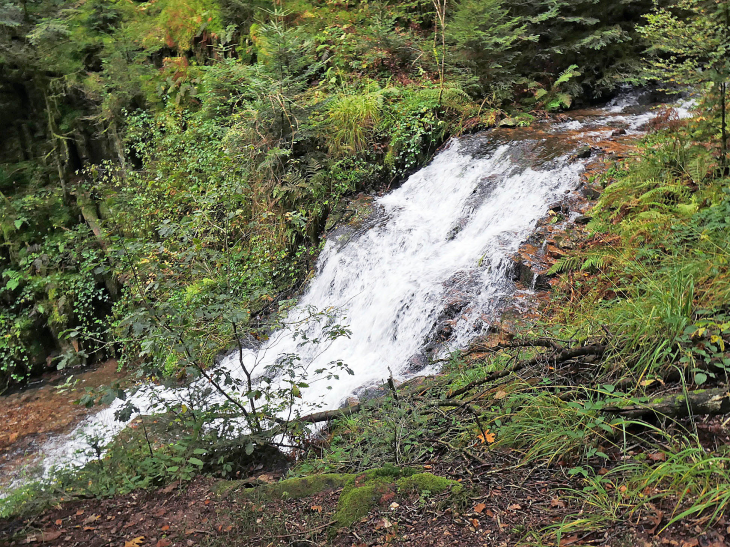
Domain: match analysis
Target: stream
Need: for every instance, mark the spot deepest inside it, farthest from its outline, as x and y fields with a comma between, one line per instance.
x=427, y=271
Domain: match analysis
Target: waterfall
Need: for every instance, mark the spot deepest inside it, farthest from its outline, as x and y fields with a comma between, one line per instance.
x=429, y=270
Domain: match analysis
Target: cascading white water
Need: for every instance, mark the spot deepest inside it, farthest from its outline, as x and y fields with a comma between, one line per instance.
x=437, y=247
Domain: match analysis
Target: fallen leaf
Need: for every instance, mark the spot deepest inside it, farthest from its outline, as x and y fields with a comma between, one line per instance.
x=394, y=505
x=385, y=523
x=165, y=528
x=136, y=542
x=514, y=507
x=317, y=508
x=691, y=543
x=555, y=502
x=500, y=395
x=79, y=512
x=489, y=513
x=385, y=498
x=602, y=471
x=428, y=466
x=475, y=523
x=657, y=456
x=88, y=528
x=164, y=542
x=479, y=507
x=92, y=518
x=487, y=437
x=169, y=488
x=570, y=540
x=656, y=520
x=49, y=535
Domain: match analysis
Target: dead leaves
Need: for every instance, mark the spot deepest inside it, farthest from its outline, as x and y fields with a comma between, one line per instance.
x=479, y=507
x=486, y=437
x=136, y=542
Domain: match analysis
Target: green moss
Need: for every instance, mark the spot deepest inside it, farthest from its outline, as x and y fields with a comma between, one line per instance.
x=293, y=488
x=357, y=502
x=426, y=482
x=363, y=492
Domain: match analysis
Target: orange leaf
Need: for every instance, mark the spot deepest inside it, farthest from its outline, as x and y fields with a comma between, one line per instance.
x=317, y=508
x=487, y=437
x=479, y=507
x=59, y=522
x=136, y=542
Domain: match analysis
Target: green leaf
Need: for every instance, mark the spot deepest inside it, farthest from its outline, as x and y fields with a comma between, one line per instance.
x=700, y=378
x=196, y=461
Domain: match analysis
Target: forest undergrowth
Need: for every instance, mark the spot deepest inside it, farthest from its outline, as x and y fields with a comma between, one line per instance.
x=173, y=168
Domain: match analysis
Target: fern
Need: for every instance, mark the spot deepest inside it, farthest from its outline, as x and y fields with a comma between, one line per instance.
x=566, y=264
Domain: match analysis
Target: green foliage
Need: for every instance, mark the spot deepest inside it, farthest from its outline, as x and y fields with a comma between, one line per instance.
x=689, y=44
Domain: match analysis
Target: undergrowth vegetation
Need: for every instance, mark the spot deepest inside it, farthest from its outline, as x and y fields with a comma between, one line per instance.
x=174, y=165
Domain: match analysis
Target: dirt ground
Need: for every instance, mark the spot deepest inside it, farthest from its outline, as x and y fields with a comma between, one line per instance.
x=499, y=507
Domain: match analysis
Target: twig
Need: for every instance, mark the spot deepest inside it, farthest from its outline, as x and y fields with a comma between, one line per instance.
x=462, y=450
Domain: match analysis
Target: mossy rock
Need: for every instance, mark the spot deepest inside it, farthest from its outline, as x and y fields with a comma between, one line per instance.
x=365, y=491
x=426, y=482
x=294, y=488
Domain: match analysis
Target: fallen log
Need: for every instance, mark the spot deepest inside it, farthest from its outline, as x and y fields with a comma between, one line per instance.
x=702, y=401
x=327, y=415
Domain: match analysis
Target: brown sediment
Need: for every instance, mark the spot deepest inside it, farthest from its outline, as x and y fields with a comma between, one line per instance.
x=32, y=416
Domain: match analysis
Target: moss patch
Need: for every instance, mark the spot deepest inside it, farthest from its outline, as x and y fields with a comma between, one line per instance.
x=294, y=488
x=426, y=482
x=378, y=486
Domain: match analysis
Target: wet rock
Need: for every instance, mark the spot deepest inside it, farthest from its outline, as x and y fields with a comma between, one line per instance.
x=590, y=192
x=523, y=273
x=563, y=242
x=555, y=252
x=417, y=362
x=618, y=132
x=559, y=207
x=582, y=219
x=583, y=153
